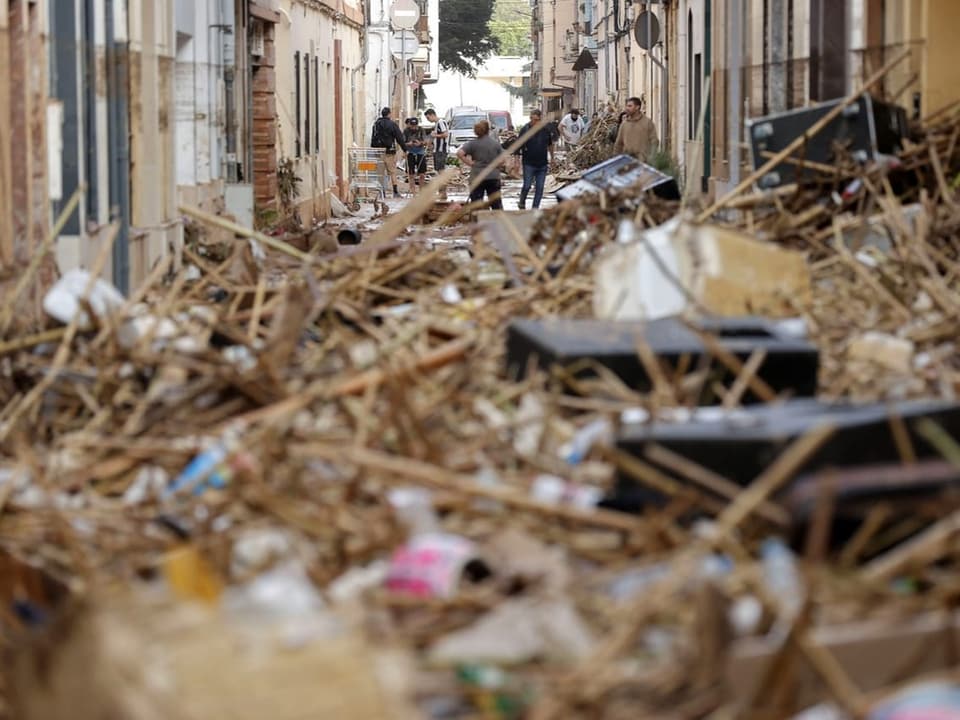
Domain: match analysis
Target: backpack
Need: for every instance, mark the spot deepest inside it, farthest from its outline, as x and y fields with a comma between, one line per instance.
x=381, y=137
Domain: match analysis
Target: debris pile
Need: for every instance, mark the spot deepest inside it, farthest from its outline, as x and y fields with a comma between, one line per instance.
x=335, y=462
x=597, y=144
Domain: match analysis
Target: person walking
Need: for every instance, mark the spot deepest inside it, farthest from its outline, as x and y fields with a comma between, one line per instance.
x=416, y=154
x=386, y=134
x=571, y=128
x=536, y=154
x=441, y=136
x=479, y=154
x=637, y=135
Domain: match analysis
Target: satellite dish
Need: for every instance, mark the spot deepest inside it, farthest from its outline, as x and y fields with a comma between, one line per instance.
x=646, y=20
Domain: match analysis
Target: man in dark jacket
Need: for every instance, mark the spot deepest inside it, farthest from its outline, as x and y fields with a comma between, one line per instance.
x=386, y=134
x=536, y=153
x=416, y=154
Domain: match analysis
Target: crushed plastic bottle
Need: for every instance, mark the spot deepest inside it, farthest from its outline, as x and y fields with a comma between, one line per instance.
x=599, y=431
x=553, y=490
x=212, y=468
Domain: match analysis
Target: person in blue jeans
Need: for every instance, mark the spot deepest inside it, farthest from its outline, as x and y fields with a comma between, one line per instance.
x=537, y=153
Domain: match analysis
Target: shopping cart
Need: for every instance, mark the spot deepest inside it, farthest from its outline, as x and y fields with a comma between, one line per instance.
x=366, y=174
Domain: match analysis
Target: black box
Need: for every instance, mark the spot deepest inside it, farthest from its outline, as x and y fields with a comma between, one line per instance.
x=790, y=366
x=744, y=444
x=865, y=128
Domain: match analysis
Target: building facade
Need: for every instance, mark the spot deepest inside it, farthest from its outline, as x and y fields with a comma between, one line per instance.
x=556, y=48
x=400, y=81
x=320, y=77
x=704, y=66
x=148, y=105
x=149, y=110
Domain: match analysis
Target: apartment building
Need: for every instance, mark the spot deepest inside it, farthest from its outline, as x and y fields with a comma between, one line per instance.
x=712, y=64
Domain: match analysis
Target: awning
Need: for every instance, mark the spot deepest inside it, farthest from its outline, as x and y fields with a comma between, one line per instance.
x=264, y=13
x=551, y=92
x=585, y=61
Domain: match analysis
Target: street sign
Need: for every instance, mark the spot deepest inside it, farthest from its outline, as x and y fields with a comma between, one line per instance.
x=647, y=22
x=404, y=45
x=404, y=14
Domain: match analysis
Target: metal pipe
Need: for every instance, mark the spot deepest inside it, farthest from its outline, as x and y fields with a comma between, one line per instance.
x=778, y=57
x=118, y=143
x=248, y=135
x=734, y=83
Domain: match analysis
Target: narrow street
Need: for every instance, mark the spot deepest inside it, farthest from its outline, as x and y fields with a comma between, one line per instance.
x=682, y=442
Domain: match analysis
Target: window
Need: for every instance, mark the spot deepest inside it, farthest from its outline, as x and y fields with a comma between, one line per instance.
x=692, y=119
x=296, y=104
x=306, y=104
x=316, y=103
x=697, y=88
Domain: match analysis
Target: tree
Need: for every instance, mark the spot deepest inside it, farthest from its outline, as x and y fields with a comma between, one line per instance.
x=510, y=25
x=465, y=37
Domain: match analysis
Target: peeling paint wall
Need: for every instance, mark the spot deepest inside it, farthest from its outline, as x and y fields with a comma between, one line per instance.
x=24, y=199
x=319, y=48
x=152, y=166
x=204, y=33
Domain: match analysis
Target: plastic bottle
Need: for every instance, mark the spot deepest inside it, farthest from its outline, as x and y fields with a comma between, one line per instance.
x=626, y=232
x=597, y=431
x=782, y=575
x=209, y=468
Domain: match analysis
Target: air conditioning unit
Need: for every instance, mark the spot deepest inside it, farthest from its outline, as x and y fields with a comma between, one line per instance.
x=256, y=39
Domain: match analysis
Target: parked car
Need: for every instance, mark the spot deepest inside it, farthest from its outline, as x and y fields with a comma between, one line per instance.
x=502, y=120
x=461, y=127
x=461, y=110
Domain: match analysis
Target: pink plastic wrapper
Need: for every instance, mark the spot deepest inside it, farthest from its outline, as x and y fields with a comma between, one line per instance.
x=430, y=565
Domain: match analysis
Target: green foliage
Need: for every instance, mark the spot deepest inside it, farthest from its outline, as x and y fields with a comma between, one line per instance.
x=465, y=37
x=663, y=161
x=266, y=218
x=527, y=93
x=510, y=25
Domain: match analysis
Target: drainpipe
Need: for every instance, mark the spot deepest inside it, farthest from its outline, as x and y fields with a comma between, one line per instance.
x=708, y=112
x=364, y=59
x=248, y=66
x=229, y=50
x=118, y=137
x=778, y=56
x=735, y=104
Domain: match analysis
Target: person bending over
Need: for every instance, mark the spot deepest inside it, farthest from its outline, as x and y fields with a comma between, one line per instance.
x=416, y=153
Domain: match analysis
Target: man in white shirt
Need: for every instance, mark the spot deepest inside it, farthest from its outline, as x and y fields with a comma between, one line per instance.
x=571, y=128
x=440, y=135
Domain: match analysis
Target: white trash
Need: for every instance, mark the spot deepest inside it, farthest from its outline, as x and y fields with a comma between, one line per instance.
x=62, y=301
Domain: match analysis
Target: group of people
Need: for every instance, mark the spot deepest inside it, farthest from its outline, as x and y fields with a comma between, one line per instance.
x=413, y=141
x=636, y=135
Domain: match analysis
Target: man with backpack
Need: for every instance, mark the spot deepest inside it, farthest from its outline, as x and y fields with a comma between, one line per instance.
x=386, y=134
